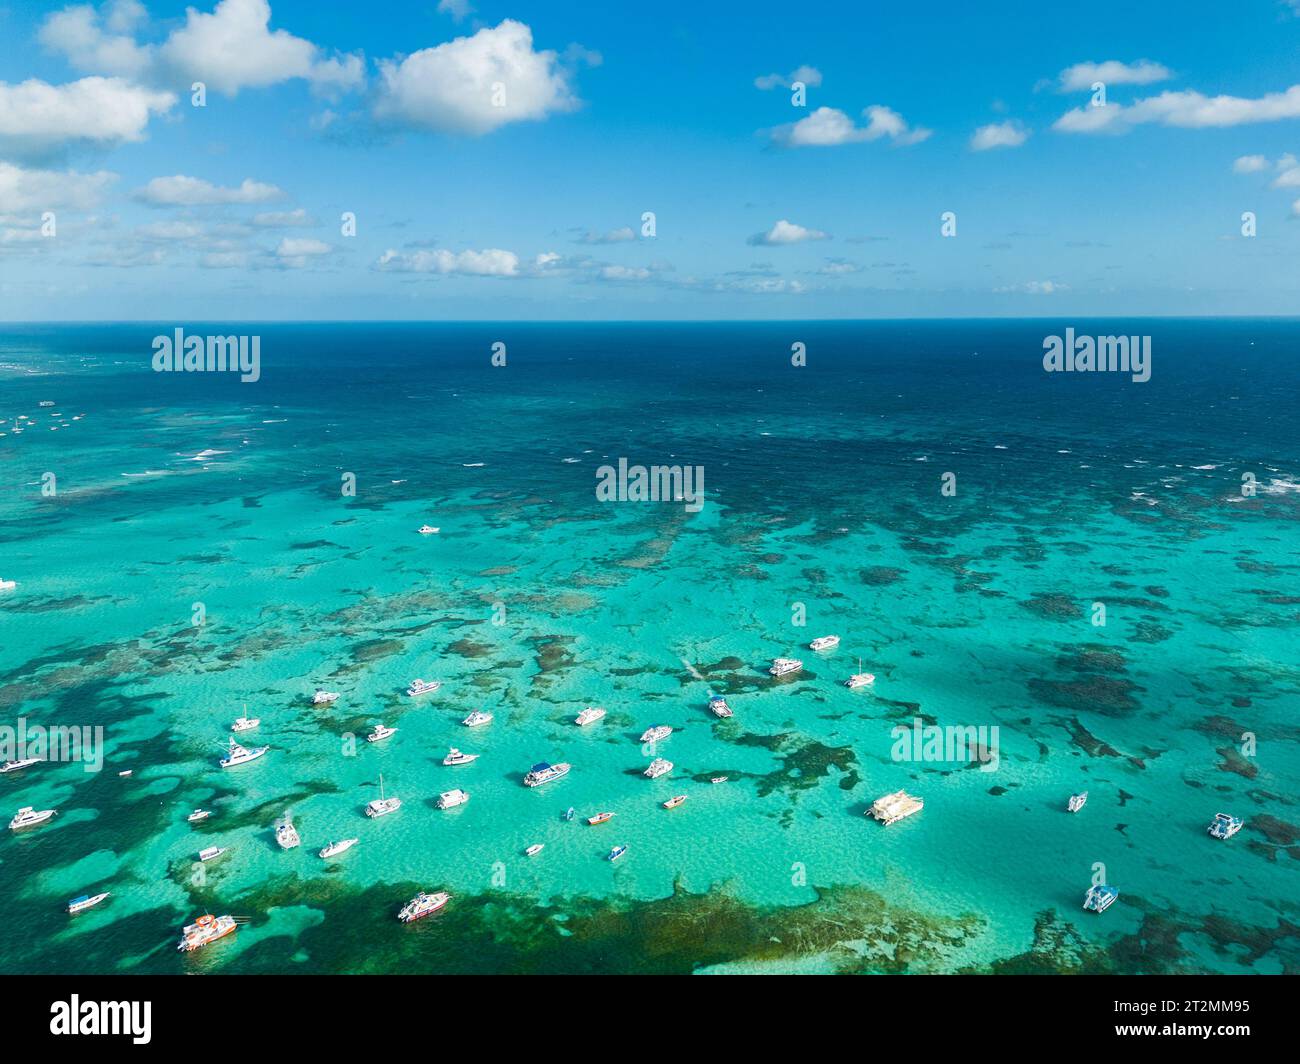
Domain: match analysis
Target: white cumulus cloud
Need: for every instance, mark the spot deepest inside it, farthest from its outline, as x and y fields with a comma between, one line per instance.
x=36, y=116
x=25, y=191
x=473, y=85
x=182, y=191
x=999, y=135
x=809, y=75
x=786, y=233
x=98, y=42
x=1249, y=164
x=828, y=127
x=1082, y=76
x=1186, y=110
x=491, y=262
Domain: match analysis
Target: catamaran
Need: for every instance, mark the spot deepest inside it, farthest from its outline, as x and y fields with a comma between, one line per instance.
x=27, y=817
x=589, y=716
x=86, y=901
x=422, y=687
x=1099, y=899
x=1225, y=826
x=785, y=666
x=22, y=762
x=718, y=706
x=860, y=678
x=656, y=734
x=455, y=757
x=544, y=772
x=824, y=642
x=336, y=848
x=324, y=698
x=658, y=767
x=422, y=905
x=1077, y=801
x=894, y=807
x=453, y=798
x=239, y=755
x=477, y=718
x=381, y=732
x=206, y=929
x=286, y=834
x=382, y=806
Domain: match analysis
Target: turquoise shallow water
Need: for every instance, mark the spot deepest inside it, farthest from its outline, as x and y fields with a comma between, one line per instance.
x=535, y=600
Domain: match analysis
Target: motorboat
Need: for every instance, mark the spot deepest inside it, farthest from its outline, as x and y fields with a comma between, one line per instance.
x=718, y=706
x=422, y=687
x=428, y=530
x=382, y=806
x=894, y=807
x=824, y=642
x=1225, y=826
x=674, y=801
x=718, y=779
x=656, y=734
x=204, y=930
x=86, y=901
x=27, y=817
x=658, y=767
x=197, y=815
x=1077, y=801
x=422, y=905
x=453, y=798
x=535, y=849
x=210, y=852
x=477, y=719
x=544, y=772
x=286, y=834
x=617, y=852
x=589, y=716
x=324, y=698
x=336, y=848
x=600, y=818
x=381, y=732
x=1100, y=898
x=456, y=757
x=569, y=815
x=785, y=666
x=239, y=755
x=9, y=585
x=22, y=762
x=126, y=774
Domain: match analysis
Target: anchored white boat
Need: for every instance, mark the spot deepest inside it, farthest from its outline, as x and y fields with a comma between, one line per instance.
x=245, y=724
x=718, y=779
x=428, y=530
x=206, y=929
x=336, y=848
x=1099, y=899
x=617, y=852
x=477, y=719
x=824, y=642
x=381, y=732
x=544, y=772
x=422, y=905
x=197, y=815
x=27, y=817
x=9, y=585
x=600, y=818
x=382, y=806
x=22, y=762
x=860, y=678
x=451, y=799
x=208, y=853
x=240, y=755
x=324, y=698
x=589, y=716
x=456, y=757
x=1077, y=801
x=658, y=767
x=286, y=834
x=718, y=706
x=86, y=901
x=656, y=734
x=674, y=801
x=785, y=666
x=535, y=849
x=894, y=807
x=1225, y=826
x=423, y=687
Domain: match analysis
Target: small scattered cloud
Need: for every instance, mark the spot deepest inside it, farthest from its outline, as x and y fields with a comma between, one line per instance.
x=809, y=75
x=490, y=262
x=24, y=191
x=296, y=252
x=1249, y=164
x=1185, y=110
x=1035, y=288
x=459, y=10
x=829, y=127
x=839, y=267
x=786, y=233
x=182, y=191
x=294, y=219
x=1082, y=76
x=999, y=135
x=615, y=236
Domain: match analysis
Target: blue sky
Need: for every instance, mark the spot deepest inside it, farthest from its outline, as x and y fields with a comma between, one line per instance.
x=533, y=209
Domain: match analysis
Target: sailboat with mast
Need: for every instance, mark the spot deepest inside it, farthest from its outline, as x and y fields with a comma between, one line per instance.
x=382, y=806
x=860, y=678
